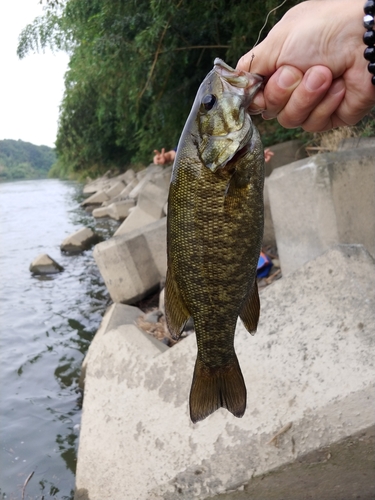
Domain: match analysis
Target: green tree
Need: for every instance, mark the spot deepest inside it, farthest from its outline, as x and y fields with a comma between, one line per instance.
x=135, y=68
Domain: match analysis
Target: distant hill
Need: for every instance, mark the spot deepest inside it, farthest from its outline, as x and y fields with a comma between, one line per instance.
x=23, y=160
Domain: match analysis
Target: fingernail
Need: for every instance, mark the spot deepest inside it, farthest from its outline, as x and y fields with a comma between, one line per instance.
x=288, y=77
x=314, y=80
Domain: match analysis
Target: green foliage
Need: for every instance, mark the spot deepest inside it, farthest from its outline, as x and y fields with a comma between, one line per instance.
x=135, y=68
x=23, y=160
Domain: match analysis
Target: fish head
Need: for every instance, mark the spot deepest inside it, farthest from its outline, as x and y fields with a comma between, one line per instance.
x=223, y=123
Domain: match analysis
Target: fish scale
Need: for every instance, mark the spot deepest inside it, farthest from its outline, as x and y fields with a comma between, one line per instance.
x=214, y=234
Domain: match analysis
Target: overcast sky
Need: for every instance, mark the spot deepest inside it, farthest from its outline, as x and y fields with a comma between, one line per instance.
x=31, y=89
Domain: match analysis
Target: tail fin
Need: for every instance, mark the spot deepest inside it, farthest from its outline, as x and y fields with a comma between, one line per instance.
x=213, y=388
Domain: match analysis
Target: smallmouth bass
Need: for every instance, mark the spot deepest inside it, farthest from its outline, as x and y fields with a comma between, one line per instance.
x=214, y=234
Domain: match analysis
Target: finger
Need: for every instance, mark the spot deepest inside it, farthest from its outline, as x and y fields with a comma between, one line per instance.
x=156, y=151
x=306, y=96
x=321, y=117
x=163, y=151
x=279, y=90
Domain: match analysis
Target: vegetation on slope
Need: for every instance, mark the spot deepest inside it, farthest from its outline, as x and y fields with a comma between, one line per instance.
x=23, y=160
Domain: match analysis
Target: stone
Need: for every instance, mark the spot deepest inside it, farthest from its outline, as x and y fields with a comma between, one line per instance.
x=137, y=219
x=133, y=265
x=163, y=178
x=147, y=175
x=321, y=201
x=96, y=185
x=285, y=153
x=115, y=190
x=127, y=176
x=124, y=195
x=100, y=212
x=116, y=315
x=120, y=209
x=309, y=372
x=44, y=264
x=357, y=142
x=152, y=199
x=269, y=238
x=95, y=199
x=79, y=241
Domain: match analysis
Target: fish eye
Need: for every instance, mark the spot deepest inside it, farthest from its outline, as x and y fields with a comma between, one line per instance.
x=208, y=101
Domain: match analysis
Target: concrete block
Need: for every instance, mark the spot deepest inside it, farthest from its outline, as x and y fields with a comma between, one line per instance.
x=79, y=241
x=163, y=179
x=124, y=195
x=44, y=264
x=152, y=199
x=115, y=189
x=321, y=201
x=136, y=219
x=357, y=142
x=285, y=153
x=132, y=265
x=120, y=209
x=95, y=199
x=116, y=315
x=269, y=238
x=147, y=175
x=97, y=184
x=100, y=212
x=309, y=372
x=127, y=176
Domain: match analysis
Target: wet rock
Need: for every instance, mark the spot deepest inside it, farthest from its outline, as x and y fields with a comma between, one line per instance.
x=44, y=264
x=79, y=241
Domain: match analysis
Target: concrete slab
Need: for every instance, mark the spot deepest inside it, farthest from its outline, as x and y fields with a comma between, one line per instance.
x=285, y=153
x=152, y=199
x=321, y=201
x=137, y=219
x=79, y=241
x=116, y=315
x=132, y=265
x=44, y=264
x=357, y=142
x=310, y=376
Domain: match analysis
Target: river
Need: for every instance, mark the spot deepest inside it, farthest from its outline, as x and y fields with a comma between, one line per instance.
x=46, y=325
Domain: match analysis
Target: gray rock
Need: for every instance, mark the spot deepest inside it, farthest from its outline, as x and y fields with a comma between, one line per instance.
x=116, y=315
x=132, y=265
x=44, y=264
x=285, y=153
x=357, y=142
x=310, y=376
x=321, y=201
x=79, y=241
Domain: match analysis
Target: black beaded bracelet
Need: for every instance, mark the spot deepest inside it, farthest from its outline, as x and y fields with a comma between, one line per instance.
x=369, y=36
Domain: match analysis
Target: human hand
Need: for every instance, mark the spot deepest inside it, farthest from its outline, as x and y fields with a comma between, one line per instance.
x=159, y=158
x=268, y=155
x=313, y=61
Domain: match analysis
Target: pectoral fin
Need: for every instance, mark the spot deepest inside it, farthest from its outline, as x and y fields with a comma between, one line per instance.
x=176, y=312
x=250, y=310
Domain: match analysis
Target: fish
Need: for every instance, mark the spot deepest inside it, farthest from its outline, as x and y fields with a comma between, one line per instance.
x=214, y=234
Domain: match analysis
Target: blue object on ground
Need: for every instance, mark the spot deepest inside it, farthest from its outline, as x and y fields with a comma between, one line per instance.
x=264, y=266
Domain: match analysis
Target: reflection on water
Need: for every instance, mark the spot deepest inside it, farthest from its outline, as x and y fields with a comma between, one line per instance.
x=46, y=326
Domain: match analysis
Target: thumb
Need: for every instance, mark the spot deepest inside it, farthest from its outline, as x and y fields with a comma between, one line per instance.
x=262, y=59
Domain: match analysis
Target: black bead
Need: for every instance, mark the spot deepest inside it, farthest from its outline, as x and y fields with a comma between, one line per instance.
x=369, y=7
x=371, y=67
x=369, y=38
x=369, y=54
x=368, y=21
x=373, y=80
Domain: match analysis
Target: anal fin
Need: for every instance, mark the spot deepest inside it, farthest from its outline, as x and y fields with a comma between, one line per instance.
x=176, y=312
x=250, y=310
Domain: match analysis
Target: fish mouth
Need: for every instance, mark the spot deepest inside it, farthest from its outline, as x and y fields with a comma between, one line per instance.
x=239, y=79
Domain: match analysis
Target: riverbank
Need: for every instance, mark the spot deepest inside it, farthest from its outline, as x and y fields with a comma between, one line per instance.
x=309, y=369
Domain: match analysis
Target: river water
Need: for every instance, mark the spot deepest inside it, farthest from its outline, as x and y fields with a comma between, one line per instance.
x=46, y=325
